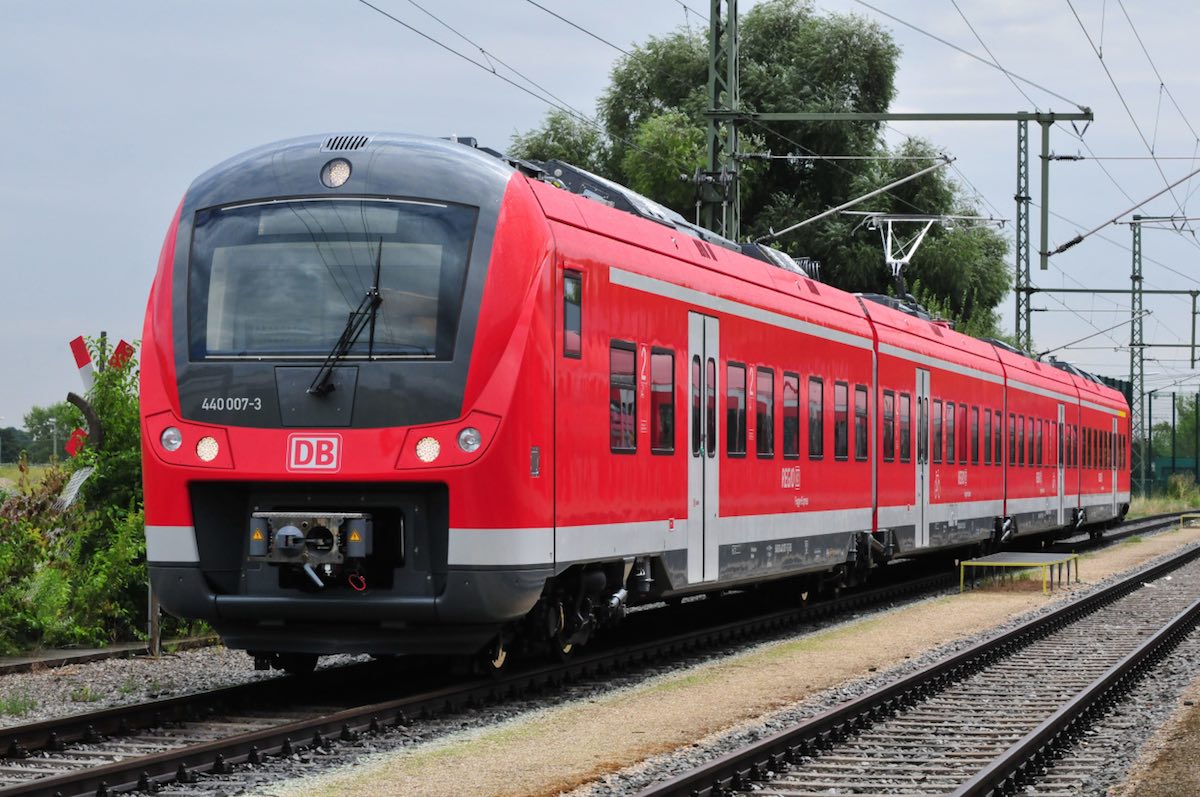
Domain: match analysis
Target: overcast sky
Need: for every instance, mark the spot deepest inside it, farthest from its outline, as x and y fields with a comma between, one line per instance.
x=111, y=109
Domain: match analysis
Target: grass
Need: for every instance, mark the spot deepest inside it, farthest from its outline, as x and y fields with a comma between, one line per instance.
x=9, y=472
x=17, y=705
x=84, y=694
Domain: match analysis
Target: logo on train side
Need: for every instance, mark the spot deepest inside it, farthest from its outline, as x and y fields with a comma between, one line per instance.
x=308, y=452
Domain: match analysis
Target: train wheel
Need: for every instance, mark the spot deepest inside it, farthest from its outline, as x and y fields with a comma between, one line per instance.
x=495, y=657
x=560, y=648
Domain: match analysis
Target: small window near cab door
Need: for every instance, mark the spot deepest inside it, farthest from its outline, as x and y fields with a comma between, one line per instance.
x=572, y=314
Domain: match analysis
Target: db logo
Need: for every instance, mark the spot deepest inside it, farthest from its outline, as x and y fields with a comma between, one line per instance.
x=314, y=452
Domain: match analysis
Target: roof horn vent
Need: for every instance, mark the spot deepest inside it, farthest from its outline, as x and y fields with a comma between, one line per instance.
x=343, y=143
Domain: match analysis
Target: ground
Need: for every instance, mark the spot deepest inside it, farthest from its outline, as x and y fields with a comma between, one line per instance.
x=626, y=727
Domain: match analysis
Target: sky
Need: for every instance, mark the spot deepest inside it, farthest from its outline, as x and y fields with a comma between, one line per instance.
x=112, y=109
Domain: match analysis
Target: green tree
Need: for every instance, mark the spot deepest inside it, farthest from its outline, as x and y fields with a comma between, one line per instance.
x=12, y=442
x=792, y=58
x=49, y=428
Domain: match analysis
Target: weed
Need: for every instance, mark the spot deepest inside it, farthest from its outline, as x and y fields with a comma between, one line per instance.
x=17, y=705
x=84, y=694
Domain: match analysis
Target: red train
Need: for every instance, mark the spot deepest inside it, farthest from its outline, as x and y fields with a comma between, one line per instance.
x=402, y=395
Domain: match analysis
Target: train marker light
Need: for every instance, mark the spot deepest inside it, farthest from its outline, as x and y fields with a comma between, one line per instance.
x=428, y=449
x=171, y=438
x=335, y=173
x=469, y=439
x=207, y=449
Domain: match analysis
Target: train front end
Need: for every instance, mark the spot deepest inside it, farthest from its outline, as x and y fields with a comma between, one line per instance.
x=333, y=342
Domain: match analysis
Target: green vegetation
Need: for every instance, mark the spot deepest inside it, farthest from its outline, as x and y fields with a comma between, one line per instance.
x=1182, y=495
x=84, y=693
x=77, y=576
x=792, y=58
x=16, y=705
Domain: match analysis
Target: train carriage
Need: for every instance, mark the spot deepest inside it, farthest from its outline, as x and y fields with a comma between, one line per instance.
x=403, y=395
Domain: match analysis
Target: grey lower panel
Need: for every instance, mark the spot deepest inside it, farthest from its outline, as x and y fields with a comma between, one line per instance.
x=471, y=603
x=964, y=531
x=1036, y=522
x=795, y=555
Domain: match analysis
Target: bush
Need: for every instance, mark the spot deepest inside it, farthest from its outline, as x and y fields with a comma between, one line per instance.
x=1182, y=485
x=78, y=575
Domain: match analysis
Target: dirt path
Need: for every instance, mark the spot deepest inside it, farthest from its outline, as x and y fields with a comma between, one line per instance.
x=554, y=751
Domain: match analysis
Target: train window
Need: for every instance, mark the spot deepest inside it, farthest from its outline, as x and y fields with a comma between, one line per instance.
x=974, y=435
x=816, y=417
x=905, y=427
x=1032, y=423
x=735, y=409
x=861, y=422
x=1037, y=425
x=622, y=397
x=889, y=426
x=710, y=412
x=922, y=430
x=841, y=420
x=950, y=432
x=1087, y=448
x=1021, y=440
x=1012, y=439
x=764, y=412
x=791, y=415
x=1122, y=444
x=998, y=442
x=937, y=430
x=987, y=436
x=572, y=314
x=696, y=406
x=662, y=401
x=962, y=435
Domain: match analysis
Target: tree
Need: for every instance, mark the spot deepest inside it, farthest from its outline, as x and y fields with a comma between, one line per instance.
x=12, y=442
x=791, y=59
x=48, y=429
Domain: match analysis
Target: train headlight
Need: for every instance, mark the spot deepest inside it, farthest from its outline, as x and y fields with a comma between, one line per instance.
x=469, y=439
x=428, y=449
x=207, y=449
x=335, y=173
x=171, y=438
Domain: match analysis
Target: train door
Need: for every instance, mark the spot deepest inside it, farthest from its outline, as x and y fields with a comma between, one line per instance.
x=1062, y=492
x=704, y=461
x=922, y=459
x=1112, y=465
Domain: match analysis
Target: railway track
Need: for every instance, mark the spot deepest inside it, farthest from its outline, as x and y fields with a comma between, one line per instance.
x=146, y=745
x=995, y=719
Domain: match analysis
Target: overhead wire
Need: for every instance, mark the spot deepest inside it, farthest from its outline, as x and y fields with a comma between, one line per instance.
x=579, y=28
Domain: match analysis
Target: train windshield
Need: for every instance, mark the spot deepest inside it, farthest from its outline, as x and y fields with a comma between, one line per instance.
x=280, y=279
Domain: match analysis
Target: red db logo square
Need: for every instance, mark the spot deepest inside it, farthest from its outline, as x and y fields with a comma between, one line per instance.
x=307, y=452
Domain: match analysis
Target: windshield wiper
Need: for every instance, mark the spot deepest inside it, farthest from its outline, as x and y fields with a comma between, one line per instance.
x=359, y=319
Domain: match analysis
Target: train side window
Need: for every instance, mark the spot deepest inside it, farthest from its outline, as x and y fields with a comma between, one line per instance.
x=662, y=401
x=861, y=423
x=1122, y=444
x=889, y=426
x=905, y=427
x=764, y=412
x=710, y=415
x=937, y=430
x=974, y=435
x=1039, y=426
x=998, y=442
x=696, y=406
x=1087, y=452
x=1032, y=423
x=622, y=397
x=1012, y=439
x=572, y=314
x=791, y=415
x=816, y=417
x=1021, y=440
x=735, y=409
x=987, y=436
x=841, y=420
x=962, y=434
x=950, y=431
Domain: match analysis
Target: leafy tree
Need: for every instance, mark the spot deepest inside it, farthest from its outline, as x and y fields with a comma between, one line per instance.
x=12, y=442
x=791, y=59
x=49, y=428
x=1185, y=428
